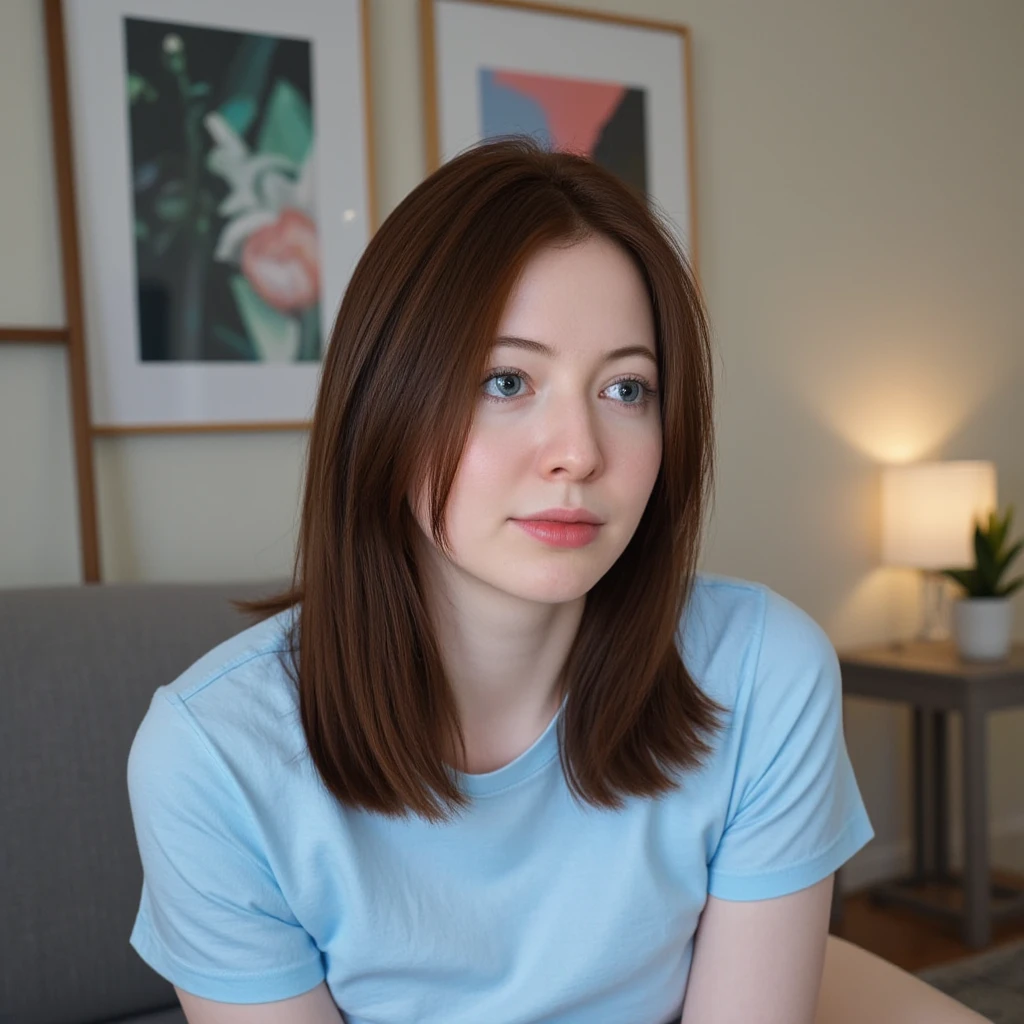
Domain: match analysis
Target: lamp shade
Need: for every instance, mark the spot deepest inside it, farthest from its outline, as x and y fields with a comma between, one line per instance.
x=928, y=512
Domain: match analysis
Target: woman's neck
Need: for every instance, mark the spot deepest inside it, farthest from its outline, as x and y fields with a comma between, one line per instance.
x=503, y=657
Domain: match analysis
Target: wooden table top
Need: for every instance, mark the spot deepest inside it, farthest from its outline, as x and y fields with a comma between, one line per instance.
x=935, y=657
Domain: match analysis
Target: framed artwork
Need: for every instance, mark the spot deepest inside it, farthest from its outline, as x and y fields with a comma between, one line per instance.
x=614, y=88
x=222, y=179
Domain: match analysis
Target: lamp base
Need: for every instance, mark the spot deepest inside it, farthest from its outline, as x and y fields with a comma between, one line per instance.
x=935, y=608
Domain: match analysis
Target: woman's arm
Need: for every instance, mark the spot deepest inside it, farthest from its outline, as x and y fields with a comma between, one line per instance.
x=759, y=961
x=313, y=1007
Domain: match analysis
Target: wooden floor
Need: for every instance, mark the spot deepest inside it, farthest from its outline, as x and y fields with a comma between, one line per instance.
x=914, y=941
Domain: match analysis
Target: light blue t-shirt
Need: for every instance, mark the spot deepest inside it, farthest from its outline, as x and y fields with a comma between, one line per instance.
x=529, y=908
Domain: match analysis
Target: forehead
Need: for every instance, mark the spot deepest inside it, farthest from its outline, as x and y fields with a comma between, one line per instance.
x=588, y=295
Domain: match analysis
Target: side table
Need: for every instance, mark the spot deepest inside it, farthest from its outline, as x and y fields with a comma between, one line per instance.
x=933, y=680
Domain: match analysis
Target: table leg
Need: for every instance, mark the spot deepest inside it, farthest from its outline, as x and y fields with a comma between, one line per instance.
x=940, y=803
x=918, y=754
x=977, y=930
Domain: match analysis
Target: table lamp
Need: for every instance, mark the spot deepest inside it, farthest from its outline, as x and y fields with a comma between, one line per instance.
x=928, y=514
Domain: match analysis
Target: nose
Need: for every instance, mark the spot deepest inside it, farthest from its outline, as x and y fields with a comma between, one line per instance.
x=570, y=446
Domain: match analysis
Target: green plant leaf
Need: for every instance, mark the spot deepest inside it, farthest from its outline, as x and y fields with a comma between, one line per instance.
x=987, y=573
x=244, y=81
x=967, y=578
x=1004, y=561
x=287, y=127
x=996, y=533
x=274, y=335
x=1007, y=520
x=1012, y=586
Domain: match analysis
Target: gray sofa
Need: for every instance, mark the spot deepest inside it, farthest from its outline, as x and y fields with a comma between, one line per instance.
x=78, y=666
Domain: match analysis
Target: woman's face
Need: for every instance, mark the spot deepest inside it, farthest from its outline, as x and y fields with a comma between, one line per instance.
x=563, y=421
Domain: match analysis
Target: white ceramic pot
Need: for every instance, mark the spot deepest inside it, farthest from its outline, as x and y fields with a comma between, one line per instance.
x=981, y=627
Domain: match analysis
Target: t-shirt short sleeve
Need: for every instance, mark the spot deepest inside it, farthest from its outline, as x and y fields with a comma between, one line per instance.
x=796, y=813
x=212, y=919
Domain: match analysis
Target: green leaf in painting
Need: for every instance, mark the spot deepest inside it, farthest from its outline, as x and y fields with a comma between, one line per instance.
x=287, y=127
x=171, y=202
x=309, y=346
x=136, y=84
x=140, y=89
x=242, y=345
x=239, y=112
x=244, y=81
x=162, y=240
x=274, y=335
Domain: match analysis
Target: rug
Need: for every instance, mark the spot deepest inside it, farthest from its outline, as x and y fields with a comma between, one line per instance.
x=991, y=984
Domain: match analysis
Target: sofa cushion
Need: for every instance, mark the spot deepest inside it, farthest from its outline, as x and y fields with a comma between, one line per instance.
x=78, y=667
x=160, y=1017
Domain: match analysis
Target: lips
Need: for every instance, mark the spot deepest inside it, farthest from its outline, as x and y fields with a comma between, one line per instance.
x=559, y=534
x=563, y=515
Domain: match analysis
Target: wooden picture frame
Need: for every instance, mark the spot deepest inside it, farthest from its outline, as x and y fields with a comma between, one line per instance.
x=223, y=180
x=616, y=88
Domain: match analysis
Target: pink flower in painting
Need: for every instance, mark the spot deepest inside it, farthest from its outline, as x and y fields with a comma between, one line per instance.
x=281, y=263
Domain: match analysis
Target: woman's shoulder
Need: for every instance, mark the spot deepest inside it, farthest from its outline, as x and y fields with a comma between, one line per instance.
x=236, y=697
x=734, y=601
x=249, y=652
x=721, y=609
x=735, y=630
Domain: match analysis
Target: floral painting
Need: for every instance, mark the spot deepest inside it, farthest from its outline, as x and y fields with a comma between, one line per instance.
x=602, y=120
x=222, y=140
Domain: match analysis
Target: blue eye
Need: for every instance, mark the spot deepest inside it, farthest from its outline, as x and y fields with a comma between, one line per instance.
x=634, y=392
x=502, y=379
x=634, y=386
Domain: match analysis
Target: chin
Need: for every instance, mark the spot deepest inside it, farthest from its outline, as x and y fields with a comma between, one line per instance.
x=553, y=588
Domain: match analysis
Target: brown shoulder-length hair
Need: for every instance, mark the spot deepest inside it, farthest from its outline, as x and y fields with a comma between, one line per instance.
x=400, y=382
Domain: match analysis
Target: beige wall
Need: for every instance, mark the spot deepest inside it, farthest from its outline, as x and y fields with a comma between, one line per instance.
x=859, y=170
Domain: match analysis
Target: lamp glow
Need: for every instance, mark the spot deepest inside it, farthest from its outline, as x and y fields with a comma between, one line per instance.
x=928, y=516
x=928, y=512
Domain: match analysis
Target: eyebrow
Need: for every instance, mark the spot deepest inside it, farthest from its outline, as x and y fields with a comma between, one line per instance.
x=546, y=350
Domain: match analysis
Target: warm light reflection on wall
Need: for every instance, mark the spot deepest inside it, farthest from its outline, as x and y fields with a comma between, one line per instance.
x=893, y=422
x=880, y=606
x=895, y=396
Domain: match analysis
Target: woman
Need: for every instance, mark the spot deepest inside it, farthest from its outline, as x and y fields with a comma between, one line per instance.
x=500, y=753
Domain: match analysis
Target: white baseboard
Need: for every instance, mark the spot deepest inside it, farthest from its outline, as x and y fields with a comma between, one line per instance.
x=878, y=862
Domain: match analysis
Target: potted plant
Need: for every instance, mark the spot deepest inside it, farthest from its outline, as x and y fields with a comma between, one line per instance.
x=982, y=619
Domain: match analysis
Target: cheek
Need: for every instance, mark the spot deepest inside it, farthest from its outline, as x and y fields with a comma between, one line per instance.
x=490, y=460
x=484, y=485
x=637, y=460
